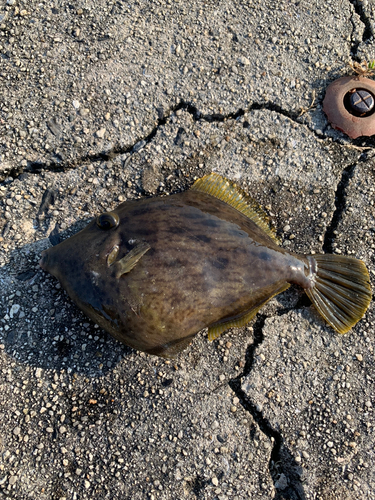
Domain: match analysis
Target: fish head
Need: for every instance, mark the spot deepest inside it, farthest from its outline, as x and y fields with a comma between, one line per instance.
x=95, y=248
x=84, y=263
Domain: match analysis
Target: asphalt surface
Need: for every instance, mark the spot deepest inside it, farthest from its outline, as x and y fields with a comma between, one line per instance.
x=102, y=102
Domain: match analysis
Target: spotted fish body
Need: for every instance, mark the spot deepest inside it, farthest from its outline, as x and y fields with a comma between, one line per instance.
x=156, y=271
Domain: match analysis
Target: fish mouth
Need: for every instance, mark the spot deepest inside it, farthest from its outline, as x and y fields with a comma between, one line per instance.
x=44, y=260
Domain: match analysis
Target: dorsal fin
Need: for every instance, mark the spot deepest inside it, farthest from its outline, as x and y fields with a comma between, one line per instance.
x=225, y=190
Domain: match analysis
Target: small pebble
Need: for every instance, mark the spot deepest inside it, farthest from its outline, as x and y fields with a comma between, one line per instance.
x=12, y=480
x=100, y=133
x=14, y=310
x=244, y=60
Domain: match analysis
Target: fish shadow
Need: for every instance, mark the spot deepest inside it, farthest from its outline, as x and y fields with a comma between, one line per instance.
x=41, y=326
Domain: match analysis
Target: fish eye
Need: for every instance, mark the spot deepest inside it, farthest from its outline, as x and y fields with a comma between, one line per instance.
x=108, y=220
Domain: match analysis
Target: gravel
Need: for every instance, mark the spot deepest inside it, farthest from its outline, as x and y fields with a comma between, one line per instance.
x=107, y=102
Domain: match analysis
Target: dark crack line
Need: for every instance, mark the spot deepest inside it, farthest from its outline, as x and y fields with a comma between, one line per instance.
x=281, y=460
x=354, y=43
x=340, y=204
x=60, y=166
x=368, y=32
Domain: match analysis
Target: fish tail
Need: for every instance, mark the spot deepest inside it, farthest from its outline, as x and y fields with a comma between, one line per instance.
x=340, y=289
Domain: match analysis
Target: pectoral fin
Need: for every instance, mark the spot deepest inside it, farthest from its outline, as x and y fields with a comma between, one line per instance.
x=216, y=329
x=126, y=264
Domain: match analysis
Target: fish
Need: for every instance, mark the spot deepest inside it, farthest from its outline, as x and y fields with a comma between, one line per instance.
x=156, y=271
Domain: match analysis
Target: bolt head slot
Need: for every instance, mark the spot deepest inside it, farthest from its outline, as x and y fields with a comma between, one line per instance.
x=359, y=102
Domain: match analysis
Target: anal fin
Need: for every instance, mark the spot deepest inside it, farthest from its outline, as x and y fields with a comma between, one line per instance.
x=216, y=329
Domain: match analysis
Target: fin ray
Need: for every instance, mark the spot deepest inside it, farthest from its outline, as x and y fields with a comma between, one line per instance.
x=338, y=297
x=226, y=191
x=341, y=291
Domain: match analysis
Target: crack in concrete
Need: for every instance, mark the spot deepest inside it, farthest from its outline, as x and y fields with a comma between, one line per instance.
x=60, y=166
x=354, y=43
x=281, y=463
x=368, y=32
x=340, y=203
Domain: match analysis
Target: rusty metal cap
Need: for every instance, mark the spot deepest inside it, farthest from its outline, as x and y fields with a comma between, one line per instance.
x=349, y=105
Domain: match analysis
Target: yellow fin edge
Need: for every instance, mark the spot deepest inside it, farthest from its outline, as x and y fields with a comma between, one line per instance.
x=341, y=291
x=217, y=329
x=227, y=191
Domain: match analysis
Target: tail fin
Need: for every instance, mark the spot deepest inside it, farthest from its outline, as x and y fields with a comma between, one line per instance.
x=341, y=289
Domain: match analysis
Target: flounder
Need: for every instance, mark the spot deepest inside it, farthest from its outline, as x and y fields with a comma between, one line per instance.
x=154, y=272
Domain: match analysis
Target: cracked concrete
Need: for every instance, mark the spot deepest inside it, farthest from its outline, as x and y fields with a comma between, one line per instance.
x=105, y=101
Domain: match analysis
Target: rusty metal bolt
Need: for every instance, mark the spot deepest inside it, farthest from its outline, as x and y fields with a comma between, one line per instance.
x=361, y=102
x=349, y=104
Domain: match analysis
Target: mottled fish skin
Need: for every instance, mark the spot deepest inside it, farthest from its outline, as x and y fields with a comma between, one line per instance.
x=206, y=262
x=156, y=271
